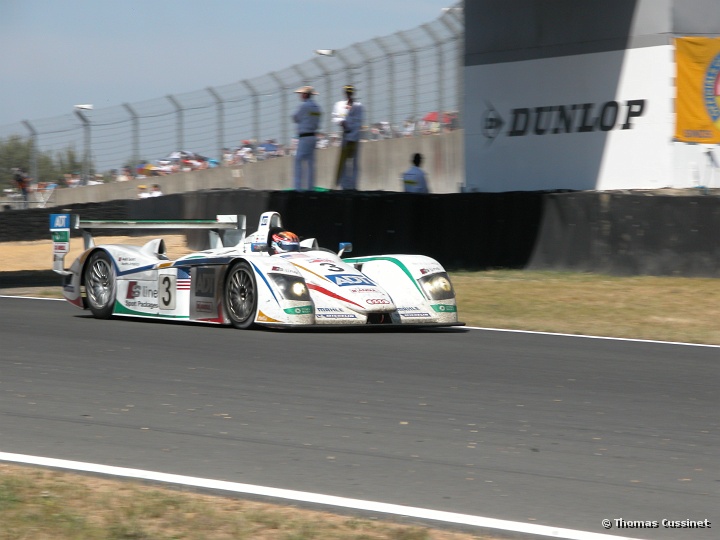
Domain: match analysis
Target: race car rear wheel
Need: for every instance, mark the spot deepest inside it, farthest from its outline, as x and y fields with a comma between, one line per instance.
x=100, y=285
x=240, y=295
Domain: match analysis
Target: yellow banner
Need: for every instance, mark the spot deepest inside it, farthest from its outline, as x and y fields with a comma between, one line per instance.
x=698, y=90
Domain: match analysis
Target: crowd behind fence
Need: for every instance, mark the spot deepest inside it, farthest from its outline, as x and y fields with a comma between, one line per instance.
x=409, y=83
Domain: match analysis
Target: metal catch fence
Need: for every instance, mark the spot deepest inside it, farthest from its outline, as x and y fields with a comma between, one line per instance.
x=409, y=82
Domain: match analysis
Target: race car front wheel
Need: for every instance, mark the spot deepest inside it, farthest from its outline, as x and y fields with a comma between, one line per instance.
x=240, y=295
x=100, y=285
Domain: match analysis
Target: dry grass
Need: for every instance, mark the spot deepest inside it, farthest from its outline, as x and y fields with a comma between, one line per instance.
x=643, y=307
x=41, y=504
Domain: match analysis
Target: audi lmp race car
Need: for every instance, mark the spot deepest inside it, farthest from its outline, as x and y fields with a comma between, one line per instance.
x=240, y=282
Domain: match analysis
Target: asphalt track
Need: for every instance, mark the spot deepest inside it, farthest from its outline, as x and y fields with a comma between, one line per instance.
x=550, y=430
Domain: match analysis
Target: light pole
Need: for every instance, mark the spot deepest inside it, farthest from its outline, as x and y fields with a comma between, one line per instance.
x=79, y=112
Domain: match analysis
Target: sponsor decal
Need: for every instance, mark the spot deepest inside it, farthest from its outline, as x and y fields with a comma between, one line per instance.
x=345, y=280
x=261, y=317
x=336, y=316
x=556, y=119
x=330, y=309
x=135, y=290
x=59, y=221
x=377, y=301
x=205, y=282
x=413, y=308
x=203, y=307
x=126, y=260
x=263, y=221
x=415, y=314
x=431, y=270
x=300, y=310
x=183, y=284
x=61, y=236
x=364, y=290
x=258, y=247
x=444, y=308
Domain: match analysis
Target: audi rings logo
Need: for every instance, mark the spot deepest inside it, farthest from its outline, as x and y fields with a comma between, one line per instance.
x=377, y=302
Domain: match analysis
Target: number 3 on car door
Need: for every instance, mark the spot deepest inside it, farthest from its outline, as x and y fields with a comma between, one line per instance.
x=166, y=291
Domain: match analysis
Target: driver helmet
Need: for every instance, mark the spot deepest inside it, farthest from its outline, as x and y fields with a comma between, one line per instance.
x=284, y=242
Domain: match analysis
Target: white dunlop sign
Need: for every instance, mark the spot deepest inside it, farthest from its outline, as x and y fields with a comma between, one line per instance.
x=584, y=122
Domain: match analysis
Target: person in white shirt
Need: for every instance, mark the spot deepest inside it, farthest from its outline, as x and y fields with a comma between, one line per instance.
x=348, y=114
x=415, y=179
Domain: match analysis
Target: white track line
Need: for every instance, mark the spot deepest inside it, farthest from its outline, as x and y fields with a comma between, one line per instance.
x=316, y=498
x=609, y=338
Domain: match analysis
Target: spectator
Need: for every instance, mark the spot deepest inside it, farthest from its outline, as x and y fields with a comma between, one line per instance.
x=348, y=115
x=156, y=191
x=415, y=179
x=124, y=175
x=307, y=118
x=143, y=192
x=409, y=127
x=23, y=183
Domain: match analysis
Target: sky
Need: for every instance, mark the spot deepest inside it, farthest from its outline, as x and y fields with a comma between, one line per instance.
x=61, y=53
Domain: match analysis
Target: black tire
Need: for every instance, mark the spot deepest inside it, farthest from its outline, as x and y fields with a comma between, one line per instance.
x=240, y=296
x=100, y=285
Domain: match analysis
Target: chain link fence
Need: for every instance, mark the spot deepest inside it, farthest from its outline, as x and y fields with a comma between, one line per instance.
x=401, y=79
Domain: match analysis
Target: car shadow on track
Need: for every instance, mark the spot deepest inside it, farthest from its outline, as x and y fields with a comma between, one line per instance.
x=321, y=329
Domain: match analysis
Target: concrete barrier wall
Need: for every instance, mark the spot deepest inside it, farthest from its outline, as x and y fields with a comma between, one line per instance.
x=621, y=234
x=381, y=164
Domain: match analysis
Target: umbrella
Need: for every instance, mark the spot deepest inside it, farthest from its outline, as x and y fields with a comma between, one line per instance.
x=433, y=117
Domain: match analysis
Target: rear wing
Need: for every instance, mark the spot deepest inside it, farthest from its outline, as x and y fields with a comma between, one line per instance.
x=62, y=224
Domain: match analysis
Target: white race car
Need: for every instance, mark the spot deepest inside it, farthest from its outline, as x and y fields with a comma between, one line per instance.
x=239, y=282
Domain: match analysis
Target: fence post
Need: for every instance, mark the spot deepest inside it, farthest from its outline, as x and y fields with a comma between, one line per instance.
x=86, y=150
x=220, y=121
x=458, y=35
x=391, y=78
x=413, y=51
x=180, y=130
x=438, y=46
x=135, y=134
x=283, y=109
x=256, y=110
x=328, y=96
x=370, y=101
x=33, y=151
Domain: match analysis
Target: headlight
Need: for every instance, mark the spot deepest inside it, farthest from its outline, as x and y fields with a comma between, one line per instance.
x=437, y=286
x=291, y=287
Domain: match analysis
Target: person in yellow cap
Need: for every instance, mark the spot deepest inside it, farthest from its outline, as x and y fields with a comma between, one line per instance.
x=348, y=114
x=307, y=118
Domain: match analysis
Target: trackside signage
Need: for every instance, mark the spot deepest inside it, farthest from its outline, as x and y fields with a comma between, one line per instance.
x=60, y=230
x=583, y=122
x=566, y=118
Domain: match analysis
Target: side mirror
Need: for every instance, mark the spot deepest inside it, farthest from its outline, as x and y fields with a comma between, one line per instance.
x=345, y=247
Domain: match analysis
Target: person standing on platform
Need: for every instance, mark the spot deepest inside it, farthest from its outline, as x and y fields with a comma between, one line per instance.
x=348, y=114
x=307, y=118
